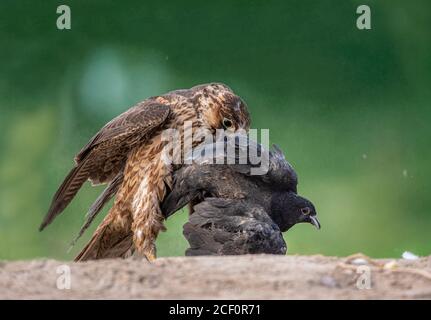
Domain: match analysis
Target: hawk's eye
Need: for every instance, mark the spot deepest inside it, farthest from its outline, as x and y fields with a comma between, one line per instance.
x=227, y=123
x=306, y=210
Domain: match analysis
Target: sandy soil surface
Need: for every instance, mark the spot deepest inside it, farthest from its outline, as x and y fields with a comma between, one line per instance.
x=234, y=277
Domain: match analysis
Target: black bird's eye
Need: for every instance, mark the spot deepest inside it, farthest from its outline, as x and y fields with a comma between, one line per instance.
x=306, y=210
x=227, y=123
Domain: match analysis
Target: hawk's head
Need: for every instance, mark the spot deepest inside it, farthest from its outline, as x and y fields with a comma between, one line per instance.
x=221, y=108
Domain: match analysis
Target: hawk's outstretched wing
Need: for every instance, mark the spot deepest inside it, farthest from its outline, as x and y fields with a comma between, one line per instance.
x=106, y=153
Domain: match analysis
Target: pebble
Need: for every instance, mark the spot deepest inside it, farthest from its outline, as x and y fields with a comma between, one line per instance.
x=390, y=265
x=359, y=262
x=328, y=281
x=409, y=256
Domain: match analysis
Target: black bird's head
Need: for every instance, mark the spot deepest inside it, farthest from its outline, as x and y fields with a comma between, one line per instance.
x=288, y=209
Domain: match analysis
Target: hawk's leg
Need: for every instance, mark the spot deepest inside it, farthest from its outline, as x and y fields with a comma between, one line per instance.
x=146, y=212
x=145, y=232
x=146, y=177
x=147, y=219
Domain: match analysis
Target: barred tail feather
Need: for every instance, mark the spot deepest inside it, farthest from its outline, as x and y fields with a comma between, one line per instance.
x=112, y=239
x=98, y=205
x=67, y=191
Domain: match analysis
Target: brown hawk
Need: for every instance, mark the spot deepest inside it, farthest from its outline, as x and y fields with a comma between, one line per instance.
x=127, y=154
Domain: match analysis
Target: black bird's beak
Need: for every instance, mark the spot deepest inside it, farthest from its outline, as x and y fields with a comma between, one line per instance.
x=314, y=221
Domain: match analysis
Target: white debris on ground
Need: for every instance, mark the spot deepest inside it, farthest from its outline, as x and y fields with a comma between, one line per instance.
x=407, y=255
x=359, y=262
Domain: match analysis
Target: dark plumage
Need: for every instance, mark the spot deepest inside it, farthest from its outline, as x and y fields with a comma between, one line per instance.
x=235, y=212
x=231, y=227
x=274, y=191
x=127, y=153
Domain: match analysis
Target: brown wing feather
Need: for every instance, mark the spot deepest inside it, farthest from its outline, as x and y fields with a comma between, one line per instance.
x=67, y=191
x=111, y=145
x=100, y=202
x=146, y=114
x=112, y=239
x=104, y=156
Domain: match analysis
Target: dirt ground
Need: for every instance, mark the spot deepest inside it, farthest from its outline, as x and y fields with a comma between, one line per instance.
x=234, y=277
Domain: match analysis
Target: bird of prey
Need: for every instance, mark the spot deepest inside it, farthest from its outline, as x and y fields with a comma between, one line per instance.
x=232, y=227
x=275, y=192
x=270, y=197
x=127, y=155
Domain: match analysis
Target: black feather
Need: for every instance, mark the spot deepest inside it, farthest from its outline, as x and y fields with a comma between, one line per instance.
x=245, y=210
x=232, y=227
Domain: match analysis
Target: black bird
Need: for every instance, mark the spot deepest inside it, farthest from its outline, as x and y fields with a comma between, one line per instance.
x=249, y=212
x=232, y=227
x=275, y=192
x=235, y=212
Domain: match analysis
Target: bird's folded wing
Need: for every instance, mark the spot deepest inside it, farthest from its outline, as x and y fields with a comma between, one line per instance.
x=231, y=227
x=105, y=155
x=246, y=156
x=134, y=122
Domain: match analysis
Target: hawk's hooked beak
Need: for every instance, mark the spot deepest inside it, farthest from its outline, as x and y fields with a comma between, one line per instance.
x=314, y=221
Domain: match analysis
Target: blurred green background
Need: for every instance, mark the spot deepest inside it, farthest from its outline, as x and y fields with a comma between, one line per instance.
x=350, y=108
